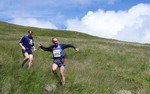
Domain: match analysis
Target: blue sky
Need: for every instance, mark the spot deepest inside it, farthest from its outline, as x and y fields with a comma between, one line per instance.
x=113, y=19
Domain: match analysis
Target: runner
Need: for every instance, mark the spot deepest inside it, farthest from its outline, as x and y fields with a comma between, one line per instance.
x=26, y=43
x=58, y=56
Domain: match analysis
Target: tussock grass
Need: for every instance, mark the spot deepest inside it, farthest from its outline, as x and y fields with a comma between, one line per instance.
x=101, y=67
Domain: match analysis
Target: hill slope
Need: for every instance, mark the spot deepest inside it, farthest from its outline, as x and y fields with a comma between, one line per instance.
x=101, y=67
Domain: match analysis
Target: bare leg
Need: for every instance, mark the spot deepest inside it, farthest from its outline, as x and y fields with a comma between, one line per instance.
x=62, y=69
x=54, y=68
x=26, y=58
x=30, y=61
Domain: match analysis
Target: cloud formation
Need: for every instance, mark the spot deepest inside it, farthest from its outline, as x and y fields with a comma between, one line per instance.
x=132, y=25
x=34, y=23
x=47, y=10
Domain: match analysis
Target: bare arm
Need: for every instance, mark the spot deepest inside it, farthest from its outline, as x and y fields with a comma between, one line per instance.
x=22, y=47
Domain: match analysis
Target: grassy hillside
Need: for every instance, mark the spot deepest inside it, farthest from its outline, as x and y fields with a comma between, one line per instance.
x=101, y=67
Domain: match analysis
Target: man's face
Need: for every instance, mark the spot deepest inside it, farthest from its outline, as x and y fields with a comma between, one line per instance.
x=30, y=34
x=55, y=41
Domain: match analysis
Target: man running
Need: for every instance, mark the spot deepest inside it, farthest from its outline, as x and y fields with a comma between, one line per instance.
x=26, y=43
x=58, y=56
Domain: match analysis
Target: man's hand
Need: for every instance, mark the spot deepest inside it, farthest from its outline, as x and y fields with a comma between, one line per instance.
x=77, y=49
x=39, y=46
x=34, y=49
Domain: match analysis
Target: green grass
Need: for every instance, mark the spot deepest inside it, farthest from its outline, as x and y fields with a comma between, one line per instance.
x=101, y=67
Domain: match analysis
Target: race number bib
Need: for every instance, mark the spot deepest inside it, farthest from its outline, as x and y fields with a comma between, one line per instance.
x=56, y=53
x=30, y=42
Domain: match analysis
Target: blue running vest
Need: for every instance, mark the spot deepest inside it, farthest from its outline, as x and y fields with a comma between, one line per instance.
x=57, y=51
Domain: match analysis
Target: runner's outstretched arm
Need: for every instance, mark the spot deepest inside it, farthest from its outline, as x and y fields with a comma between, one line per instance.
x=64, y=46
x=45, y=48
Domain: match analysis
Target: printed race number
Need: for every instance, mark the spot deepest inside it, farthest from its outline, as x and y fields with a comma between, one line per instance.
x=56, y=53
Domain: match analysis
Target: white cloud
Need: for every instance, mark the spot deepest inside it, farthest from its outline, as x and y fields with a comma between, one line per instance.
x=34, y=23
x=132, y=25
x=45, y=10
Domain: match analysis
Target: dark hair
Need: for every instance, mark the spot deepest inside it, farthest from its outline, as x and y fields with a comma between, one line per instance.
x=30, y=31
